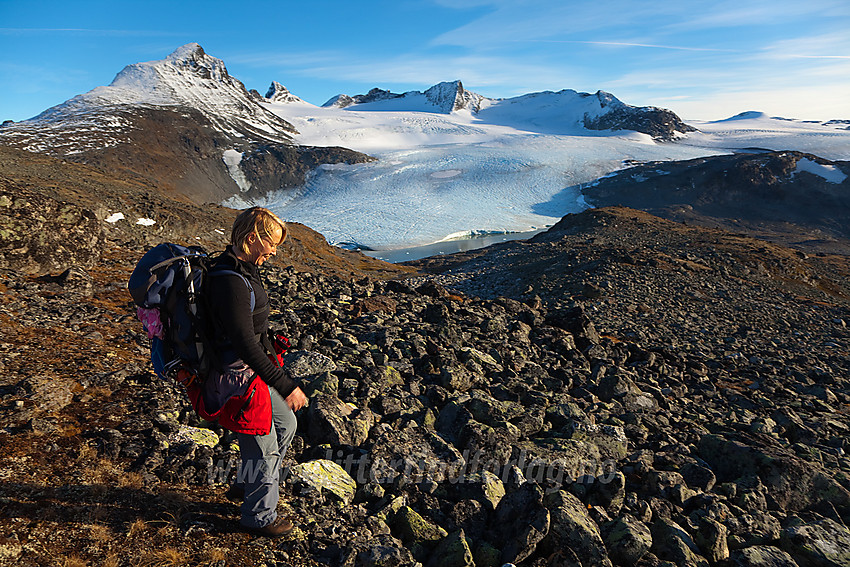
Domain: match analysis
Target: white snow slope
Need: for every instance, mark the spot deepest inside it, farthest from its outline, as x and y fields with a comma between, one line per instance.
x=514, y=166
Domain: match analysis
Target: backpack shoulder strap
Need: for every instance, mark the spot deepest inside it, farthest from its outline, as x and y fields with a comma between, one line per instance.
x=229, y=272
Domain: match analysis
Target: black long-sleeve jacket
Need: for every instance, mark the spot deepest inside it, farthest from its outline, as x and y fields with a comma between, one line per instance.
x=238, y=332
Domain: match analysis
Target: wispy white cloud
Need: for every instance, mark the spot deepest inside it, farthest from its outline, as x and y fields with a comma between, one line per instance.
x=816, y=46
x=755, y=13
x=632, y=44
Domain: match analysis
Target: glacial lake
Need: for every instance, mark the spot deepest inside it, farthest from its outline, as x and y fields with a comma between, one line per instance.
x=447, y=247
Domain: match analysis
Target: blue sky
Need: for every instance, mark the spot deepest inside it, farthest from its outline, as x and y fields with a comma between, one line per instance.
x=703, y=59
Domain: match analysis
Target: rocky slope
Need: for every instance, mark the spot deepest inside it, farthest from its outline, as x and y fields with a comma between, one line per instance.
x=621, y=390
x=56, y=214
x=171, y=122
x=798, y=199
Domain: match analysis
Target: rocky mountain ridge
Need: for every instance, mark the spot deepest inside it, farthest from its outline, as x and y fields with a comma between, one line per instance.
x=599, y=111
x=791, y=197
x=445, y=97
x=171, y=121
x=279, y=93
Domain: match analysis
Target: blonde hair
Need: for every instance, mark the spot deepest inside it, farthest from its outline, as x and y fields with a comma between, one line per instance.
x=256, y=220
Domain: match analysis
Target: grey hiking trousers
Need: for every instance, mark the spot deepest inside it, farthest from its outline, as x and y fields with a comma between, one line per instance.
x=261, y=459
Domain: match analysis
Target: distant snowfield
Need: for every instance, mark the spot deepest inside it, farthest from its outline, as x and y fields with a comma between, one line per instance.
x=757, y=130
x=443, y=176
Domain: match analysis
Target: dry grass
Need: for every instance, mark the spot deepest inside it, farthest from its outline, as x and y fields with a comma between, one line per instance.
x=87, y=453
x=214, y=555
x=168, y=557
x=131, y=480
x=111, y=561
x=74, y=561
x=138, y=527
x=100, y=533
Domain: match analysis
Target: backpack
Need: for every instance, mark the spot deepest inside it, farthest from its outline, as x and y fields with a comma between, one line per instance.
x=167, y=286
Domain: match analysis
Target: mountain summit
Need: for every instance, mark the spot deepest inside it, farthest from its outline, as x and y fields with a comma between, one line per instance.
x=445, y=98
x=187, y=77
x=279, y=93
x=184, y=123
x=561, y=112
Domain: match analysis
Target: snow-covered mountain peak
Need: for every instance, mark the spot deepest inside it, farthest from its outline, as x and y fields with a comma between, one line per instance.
x=189, y=52
x=279, y=93
x=451, y=96
x=170, y=80
x=444, y=98
x=187, y=78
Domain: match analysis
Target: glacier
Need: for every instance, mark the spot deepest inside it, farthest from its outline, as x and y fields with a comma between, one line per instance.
x=500, y=170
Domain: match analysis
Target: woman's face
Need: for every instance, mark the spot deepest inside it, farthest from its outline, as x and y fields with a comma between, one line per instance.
x=261, y=249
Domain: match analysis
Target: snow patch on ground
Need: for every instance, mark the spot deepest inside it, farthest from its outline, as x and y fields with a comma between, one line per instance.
x=829, y=172
x=114, y=217
x=146, y=222
x=232, y=159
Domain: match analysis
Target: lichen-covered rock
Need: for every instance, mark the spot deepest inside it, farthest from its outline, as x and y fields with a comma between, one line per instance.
x=194, y=435
x=561, y=459
x=40, y=235
x=609, y=491
x=610, y=439
x=324, y=383
x=672, y=543
x=411, y=456
x=521, y=522
x=711, y=539
x=791, y=483
x=486, y=555
x=572, y=528
x=627, y=540
x=409, y=526
x=302, y=364
x=333, y=421
x=753, y=529
x=823, y=543
x=452, y=551
x=385, y=551
x=483, y=486
x=761, y=556
x=326, y=476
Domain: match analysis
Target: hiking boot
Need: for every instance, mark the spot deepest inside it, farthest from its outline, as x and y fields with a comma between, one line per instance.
x=235, y=493
x=280, y=527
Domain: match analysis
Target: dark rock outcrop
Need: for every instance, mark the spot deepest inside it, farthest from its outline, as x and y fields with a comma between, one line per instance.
x=660, y=123
x=271, y=168
x=770, y=194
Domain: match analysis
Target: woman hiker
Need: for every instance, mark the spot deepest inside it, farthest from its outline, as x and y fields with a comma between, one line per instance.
x=257, y=397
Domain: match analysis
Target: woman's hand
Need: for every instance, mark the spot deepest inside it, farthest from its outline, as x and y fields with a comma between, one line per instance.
x=296, y=399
